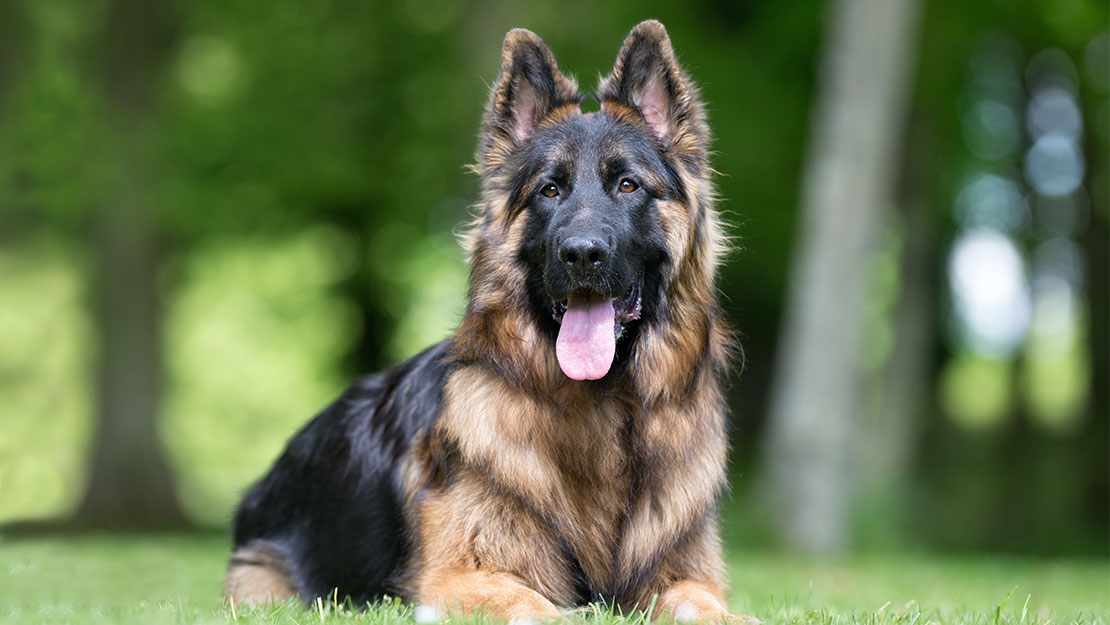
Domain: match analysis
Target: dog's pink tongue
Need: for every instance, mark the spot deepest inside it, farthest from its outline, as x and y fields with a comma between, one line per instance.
x=586, y=342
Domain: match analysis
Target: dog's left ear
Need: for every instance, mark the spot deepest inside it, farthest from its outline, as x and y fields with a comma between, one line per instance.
x=648, y=79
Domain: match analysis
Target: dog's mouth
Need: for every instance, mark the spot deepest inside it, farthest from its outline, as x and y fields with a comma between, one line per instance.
x=589, y=327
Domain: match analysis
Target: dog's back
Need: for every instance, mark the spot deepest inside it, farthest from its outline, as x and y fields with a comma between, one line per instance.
x=328, y=515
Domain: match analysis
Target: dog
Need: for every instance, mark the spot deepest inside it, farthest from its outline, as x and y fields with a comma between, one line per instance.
x=567, y=445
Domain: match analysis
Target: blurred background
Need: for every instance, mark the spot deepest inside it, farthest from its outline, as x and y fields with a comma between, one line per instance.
x=215, y=214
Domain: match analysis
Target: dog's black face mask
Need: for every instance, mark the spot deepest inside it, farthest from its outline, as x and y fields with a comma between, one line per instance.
x=594, y=245
x=594, y=190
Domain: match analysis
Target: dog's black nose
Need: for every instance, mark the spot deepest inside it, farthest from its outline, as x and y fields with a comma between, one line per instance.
x=583, y=254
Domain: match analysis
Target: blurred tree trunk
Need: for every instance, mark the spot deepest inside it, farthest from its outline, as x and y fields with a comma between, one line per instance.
x=12, y=28
x=130, y=484
x=900, y=387
x=848, y=186
x=1096, y=430
x=12, y=60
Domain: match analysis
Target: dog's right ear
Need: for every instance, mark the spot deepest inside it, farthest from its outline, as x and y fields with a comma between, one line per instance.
x=529, y=87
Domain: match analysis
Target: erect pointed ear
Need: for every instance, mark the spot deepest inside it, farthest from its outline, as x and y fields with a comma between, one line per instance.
x=529, y=87
x=648, y=79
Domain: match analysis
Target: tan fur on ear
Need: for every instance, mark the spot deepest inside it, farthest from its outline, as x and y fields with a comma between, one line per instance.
x=528, y=88
x=648, y=78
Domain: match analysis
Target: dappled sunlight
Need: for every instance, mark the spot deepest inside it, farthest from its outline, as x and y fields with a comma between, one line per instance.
x=45, y=380
x=210, y=69
x=435, y=277
x=976, y=390
x=255, y=339
x=1015, y=276
x=1057, y=361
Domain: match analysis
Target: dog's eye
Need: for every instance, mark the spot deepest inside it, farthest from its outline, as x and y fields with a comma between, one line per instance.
x=628, y=186
x=549, y=190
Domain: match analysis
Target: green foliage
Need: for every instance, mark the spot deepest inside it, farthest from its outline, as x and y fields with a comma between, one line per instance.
x=1055, y=374
x=976, y=390
x=53, y=127
x=402, y=258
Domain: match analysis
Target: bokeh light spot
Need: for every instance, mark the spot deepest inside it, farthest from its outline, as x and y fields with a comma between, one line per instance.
x=992, y=201
x=210, y=69
x=990, y=291
x=1053, y=110
x=1054, y=165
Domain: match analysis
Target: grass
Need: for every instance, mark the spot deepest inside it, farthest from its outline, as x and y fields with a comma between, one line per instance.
x=176, y=579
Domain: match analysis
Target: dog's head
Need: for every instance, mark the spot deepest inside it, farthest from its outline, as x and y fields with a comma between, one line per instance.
x=599, y=224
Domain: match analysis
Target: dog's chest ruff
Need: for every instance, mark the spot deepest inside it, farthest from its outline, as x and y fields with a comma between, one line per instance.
x=582, y=498
x=573, y=469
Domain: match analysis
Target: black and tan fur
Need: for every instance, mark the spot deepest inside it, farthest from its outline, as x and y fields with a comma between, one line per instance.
x=477, y=475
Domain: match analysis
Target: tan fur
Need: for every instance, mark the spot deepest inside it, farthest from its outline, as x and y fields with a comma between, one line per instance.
x=498, y=140
x=705, y=599
x=257, y=575
x=528, y=472
x=689, y=138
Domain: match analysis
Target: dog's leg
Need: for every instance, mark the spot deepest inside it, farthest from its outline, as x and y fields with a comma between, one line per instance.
x=689, y=581
x=258, y=574
x=501, y=595
x=690, y=601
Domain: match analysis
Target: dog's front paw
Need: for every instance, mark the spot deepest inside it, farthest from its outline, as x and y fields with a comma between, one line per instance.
x=428, y=615
x=688, y=612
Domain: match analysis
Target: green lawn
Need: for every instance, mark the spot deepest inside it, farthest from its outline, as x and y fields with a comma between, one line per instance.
x=152, y=580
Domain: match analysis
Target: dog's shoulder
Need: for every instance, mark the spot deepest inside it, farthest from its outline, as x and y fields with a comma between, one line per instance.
x=356, y=440
x=328, y=513
x=376, y=418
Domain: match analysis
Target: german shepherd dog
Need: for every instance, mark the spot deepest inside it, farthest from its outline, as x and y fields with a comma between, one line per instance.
x=567, y=444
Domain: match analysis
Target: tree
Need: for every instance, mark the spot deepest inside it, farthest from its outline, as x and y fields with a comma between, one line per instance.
x=130, y=483
x=816, y=398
